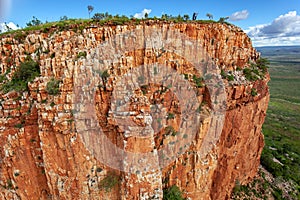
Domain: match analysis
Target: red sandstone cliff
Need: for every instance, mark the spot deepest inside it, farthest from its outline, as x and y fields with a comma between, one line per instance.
x=43, y=156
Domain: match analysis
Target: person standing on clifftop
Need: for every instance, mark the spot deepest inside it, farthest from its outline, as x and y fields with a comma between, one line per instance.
x=195, y=16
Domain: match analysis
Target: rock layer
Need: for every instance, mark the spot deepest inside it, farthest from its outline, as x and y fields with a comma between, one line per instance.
x=44, y=157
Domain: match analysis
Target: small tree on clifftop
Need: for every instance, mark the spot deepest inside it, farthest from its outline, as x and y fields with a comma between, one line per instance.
x=90, y=9
x=210, y=16
x=223, y=19
x=186, y=17
x=146, y=15
x=34, y=22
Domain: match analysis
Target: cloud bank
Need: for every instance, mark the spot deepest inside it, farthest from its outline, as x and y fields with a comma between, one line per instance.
x=284, y=30
x=240, y=15
x=142, y=14
x=4, y=26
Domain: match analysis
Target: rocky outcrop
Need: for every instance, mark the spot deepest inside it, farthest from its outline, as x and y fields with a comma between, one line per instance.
x=45, y=156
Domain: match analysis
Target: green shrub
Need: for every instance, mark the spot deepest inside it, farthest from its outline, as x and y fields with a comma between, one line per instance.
x=273, y=167
x=186, y=76
x=2, y=78
x=144, y=89
x=169, y=130
x=277, y=193
x=25, y=73
x=99, y=169
x=98, y=16
x=198, y=81
x=262, y=64
x=9, y=184
x=172, y=193
x=53, y=86
x=52, y=55
x=105, y=75
x=19, y=126
x=253, y=92
x=109, y=182
x=81, y=54
x=171, y=116
x=256, y=70
x=249, y=74
x=230, y=77
x=223, y=73
x=16, y=174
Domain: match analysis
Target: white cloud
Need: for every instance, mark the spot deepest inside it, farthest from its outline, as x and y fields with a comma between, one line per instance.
x=3, y=26
x=240, y=15
x=142, y=14
x=284, y=30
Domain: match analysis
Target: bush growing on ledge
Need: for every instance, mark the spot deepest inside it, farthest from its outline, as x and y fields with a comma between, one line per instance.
x=81, y=54
x=109, y=182
x=169, y=130
x=53, y=86
x=198, y=81
x=172, y=193
x=227, y=75
x=262, y=64
x=171, y=116
x=256, y=70
x=25, y=73
x=253, y=92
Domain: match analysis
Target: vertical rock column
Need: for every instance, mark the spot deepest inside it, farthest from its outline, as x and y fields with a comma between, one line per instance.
x=143, y=176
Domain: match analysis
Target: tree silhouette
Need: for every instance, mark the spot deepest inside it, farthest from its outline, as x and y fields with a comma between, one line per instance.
x=146, y=15
x=210, y=16
x=223, y=19
x=63, y=18
x=90, y=9
x=186, y=17
x=34, y=22
x=98, y=16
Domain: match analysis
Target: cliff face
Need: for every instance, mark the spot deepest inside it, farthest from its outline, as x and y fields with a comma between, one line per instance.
x=45, y=156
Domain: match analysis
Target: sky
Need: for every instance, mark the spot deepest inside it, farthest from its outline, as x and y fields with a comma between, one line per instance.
x=267, y=22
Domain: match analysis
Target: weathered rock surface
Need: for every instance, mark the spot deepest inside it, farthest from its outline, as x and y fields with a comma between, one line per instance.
x=44, y=157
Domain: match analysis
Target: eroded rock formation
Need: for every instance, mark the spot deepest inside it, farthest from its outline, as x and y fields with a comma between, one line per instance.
x=43, y=155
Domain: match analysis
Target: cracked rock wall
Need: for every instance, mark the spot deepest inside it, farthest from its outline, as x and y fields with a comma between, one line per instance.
x=43, y=157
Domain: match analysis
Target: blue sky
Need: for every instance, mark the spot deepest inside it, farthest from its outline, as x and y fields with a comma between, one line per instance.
x=261, y=19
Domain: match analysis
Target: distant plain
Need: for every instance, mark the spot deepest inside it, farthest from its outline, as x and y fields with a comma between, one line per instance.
x=281, y=154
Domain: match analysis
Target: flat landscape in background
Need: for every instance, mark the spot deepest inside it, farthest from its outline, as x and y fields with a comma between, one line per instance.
x=281, y=154
x=282, y=125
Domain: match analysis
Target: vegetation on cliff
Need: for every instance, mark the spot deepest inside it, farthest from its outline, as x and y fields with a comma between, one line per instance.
x=24, y=74
x=99, y=19
x=172, y=193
